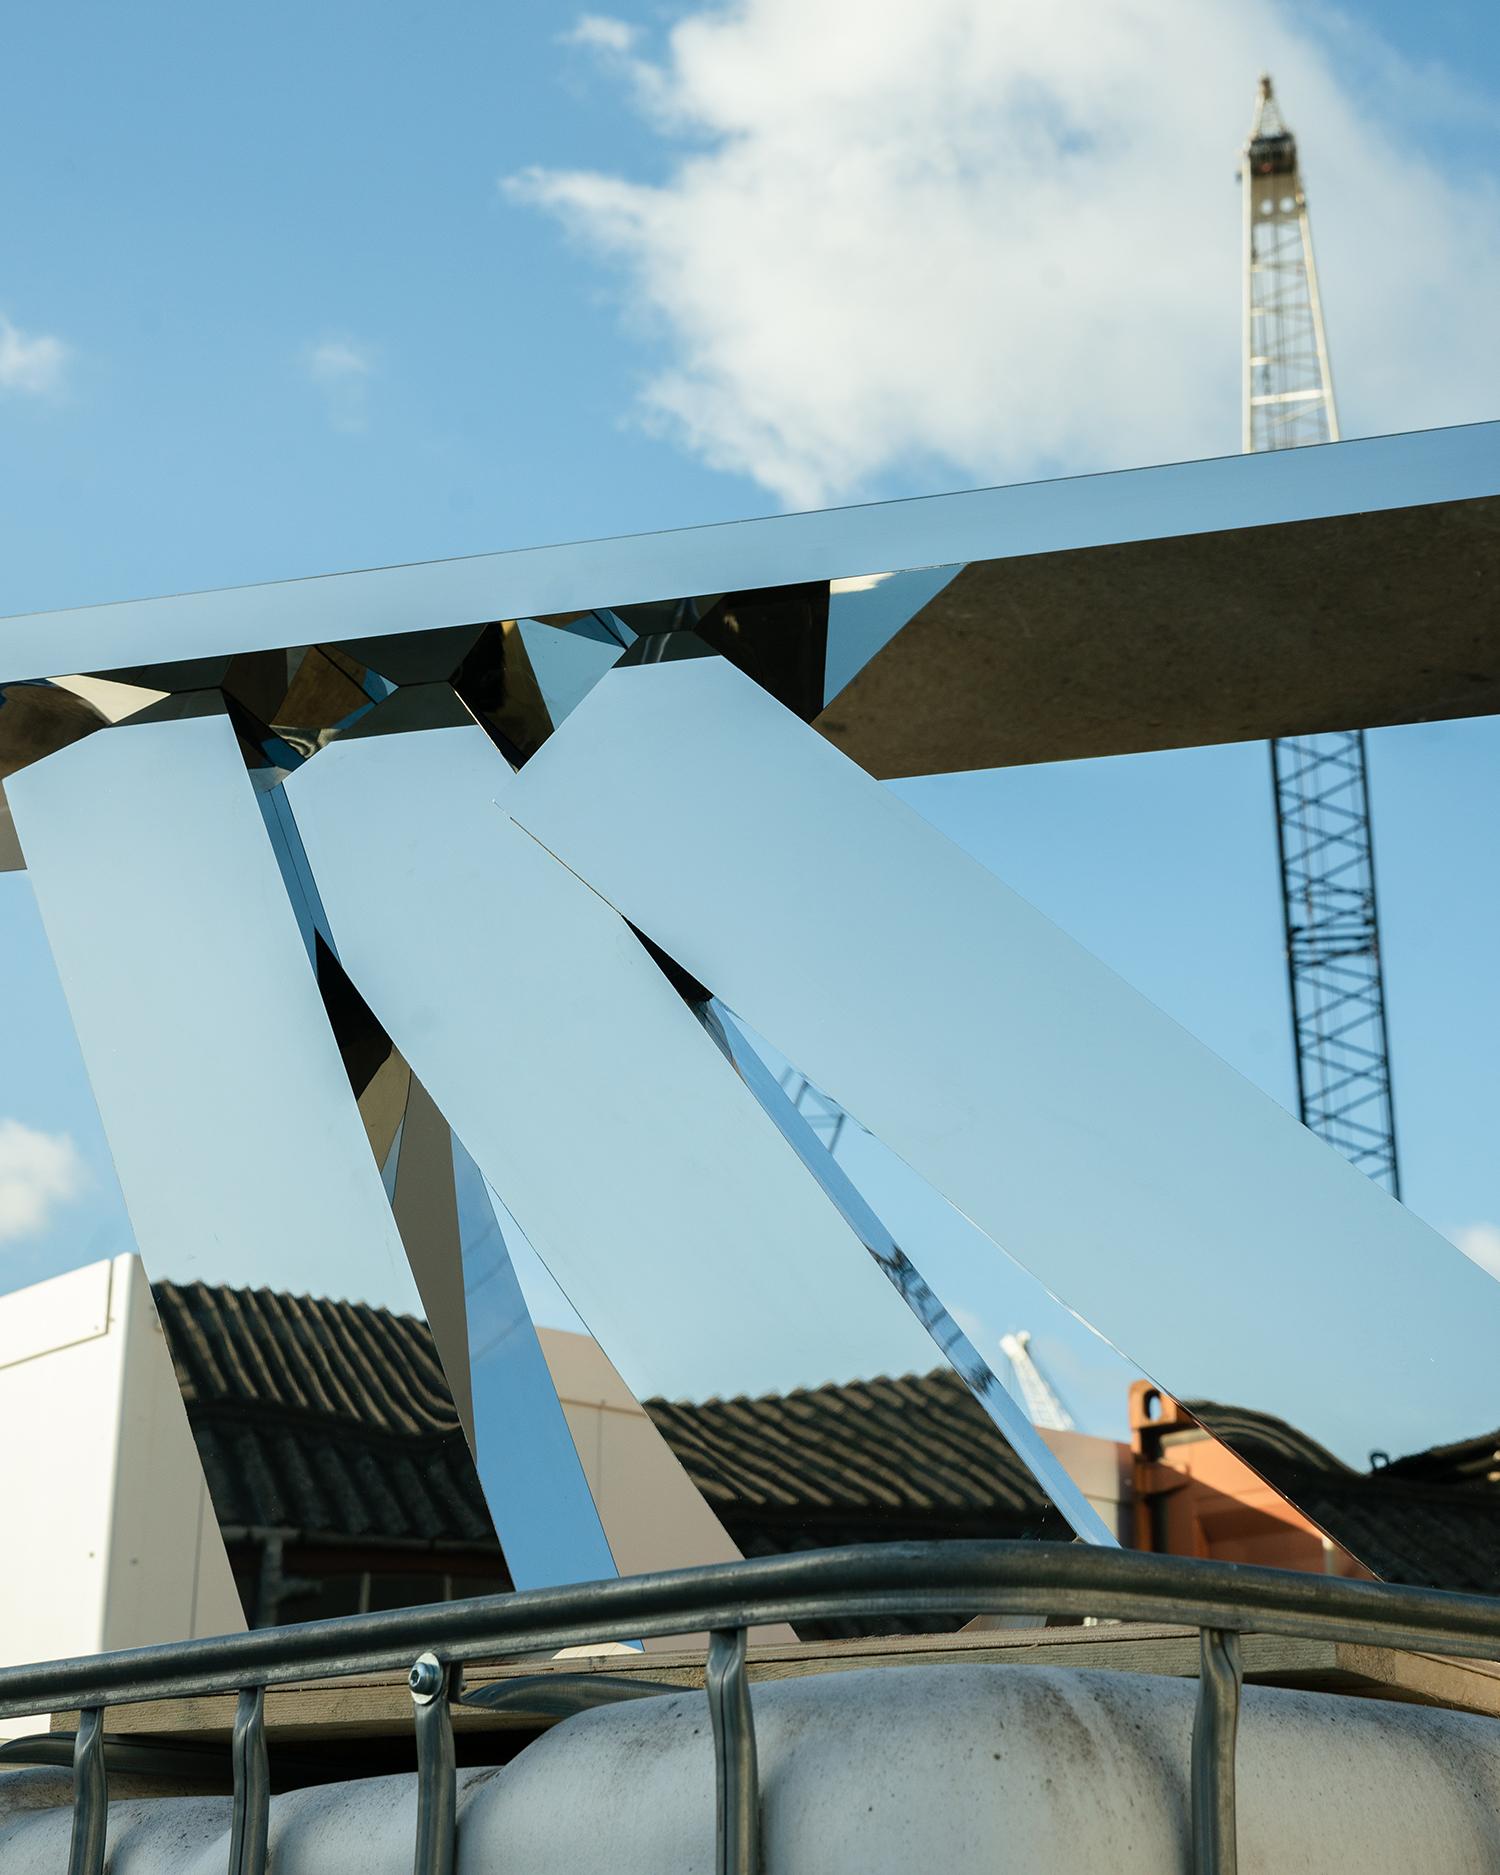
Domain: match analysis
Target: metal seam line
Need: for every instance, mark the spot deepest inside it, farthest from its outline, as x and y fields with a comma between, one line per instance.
x=1215, y=1724
x=736, y=1773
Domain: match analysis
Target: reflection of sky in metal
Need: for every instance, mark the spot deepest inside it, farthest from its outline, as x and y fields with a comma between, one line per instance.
x=999, y=1296
x=544, y=1512
x=979, y=1370
x=864, y=615
x=1383, y=472
x=1171, y=1203
x=238, y=1146
x=1164, y=866
x=689, y=1238
x=929, y=531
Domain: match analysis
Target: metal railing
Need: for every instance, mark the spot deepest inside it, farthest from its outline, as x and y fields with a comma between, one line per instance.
x=872, y=1583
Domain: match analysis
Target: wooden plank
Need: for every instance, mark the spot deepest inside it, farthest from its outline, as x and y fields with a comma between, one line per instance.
x=378, y=1706
x=1415, y=1679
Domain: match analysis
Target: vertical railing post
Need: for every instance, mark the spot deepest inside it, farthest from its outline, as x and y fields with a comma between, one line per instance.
x=737, y=1783
x=251, y=1815
x=90, y=1795
x=437, y=1782
x=1215, y=1723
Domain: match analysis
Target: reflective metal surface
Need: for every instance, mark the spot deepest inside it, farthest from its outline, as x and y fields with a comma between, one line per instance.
x=527, y=1460
x=865, y=613
x=1076, y=1125
x=907, y=1280
x=233, y=1128
x=566, y=666
x=424, y=1198
x=696, y=1247
x=238, y=1149
x=941, y=530
x=382, y=1030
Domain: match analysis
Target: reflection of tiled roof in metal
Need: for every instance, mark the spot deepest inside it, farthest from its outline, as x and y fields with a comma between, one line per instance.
x=1262, y=1437
x=1431, y=1520
x=333, y=1419
x=328, y=1419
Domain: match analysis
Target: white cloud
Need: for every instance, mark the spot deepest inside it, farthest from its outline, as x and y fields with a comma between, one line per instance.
x=597, y=32
x=1481, y=1244
x=31, y=365
x=342, y=368
x=38, y=1171
x=987, y=239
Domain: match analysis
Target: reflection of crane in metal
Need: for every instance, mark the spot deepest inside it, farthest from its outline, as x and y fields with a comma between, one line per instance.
x=826, y=1117
x=1321, y=781
x=1043, y=1407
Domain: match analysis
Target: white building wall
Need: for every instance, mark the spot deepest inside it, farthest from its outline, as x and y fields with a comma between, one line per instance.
x=110, y=1540
x=168, y=1576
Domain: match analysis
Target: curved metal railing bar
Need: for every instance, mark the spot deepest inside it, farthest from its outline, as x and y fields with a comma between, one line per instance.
x=869, y=1583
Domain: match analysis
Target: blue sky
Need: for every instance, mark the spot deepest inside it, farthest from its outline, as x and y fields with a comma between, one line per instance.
x=290, y=290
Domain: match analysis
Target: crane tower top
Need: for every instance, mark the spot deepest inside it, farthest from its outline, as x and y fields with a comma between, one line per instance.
x=1271, y=149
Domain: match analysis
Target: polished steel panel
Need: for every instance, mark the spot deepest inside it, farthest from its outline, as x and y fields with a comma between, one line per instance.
x=300, y=890
x=424, y=1200
x=1085, y=511
x=526, y=1457
x=904, y=1276
x=238, y=1146
x=698, y=1250
x=1347, y=622
x=565, y=664
x=229, y=1113
x=864, y=615
x=1177, y=1209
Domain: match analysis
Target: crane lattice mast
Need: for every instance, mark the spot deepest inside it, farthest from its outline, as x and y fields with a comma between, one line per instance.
x=1321, y=781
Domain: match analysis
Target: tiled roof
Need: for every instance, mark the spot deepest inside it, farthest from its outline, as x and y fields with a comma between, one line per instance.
x=327, y=1419
x=917, y=1448
x=333, y=1420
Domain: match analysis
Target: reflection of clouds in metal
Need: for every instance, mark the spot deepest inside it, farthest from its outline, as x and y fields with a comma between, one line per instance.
x=299, y=993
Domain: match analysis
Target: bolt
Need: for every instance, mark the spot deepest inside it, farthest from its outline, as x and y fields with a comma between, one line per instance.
x=426, y=1677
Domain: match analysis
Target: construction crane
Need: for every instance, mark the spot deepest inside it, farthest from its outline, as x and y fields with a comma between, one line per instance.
x=1043, y=1407
x=1321, y=782
x=826, y=1117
